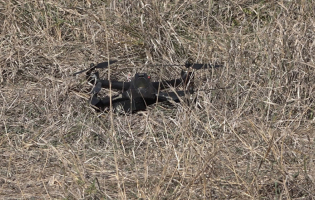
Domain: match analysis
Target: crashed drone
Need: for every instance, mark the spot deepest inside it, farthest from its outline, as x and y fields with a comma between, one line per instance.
x=140, y=91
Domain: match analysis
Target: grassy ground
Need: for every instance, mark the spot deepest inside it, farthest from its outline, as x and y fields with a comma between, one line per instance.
x=253, y=140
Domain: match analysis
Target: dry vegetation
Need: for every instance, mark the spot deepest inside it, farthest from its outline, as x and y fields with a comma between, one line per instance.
x=253, y=140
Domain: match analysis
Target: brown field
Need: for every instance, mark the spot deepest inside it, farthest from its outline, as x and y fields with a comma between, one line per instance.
x=250, y=135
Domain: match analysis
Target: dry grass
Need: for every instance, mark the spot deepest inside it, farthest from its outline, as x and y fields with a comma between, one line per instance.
x=253, y=140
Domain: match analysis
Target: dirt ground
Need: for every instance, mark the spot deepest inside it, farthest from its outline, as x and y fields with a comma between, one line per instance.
x=249, y=135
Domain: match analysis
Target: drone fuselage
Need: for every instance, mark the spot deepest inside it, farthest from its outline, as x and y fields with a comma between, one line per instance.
x=139, y=92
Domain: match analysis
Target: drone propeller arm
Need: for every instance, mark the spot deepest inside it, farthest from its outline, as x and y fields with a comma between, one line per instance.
x=115, y=84
x=105, y=102
x=175, y=82
x=175, y=96
x=102, y=65
x=166, y=84
x=198, y=66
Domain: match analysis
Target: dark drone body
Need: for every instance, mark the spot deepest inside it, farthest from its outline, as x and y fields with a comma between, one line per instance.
x=140, y=91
